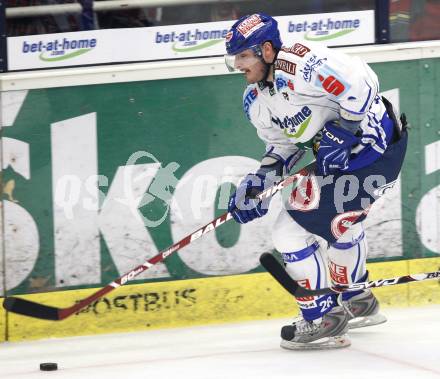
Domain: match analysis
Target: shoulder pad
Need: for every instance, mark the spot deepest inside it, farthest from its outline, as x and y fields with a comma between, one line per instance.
x=249, y=97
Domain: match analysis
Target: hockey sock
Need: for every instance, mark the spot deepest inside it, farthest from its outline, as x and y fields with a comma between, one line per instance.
x=347, y=259
x=308, y=268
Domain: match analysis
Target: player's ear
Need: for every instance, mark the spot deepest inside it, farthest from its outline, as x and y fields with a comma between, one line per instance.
x=268, y=52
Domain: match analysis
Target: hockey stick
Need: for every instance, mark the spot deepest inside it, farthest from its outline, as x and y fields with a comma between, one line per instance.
x=271, y=264
x=46, y=312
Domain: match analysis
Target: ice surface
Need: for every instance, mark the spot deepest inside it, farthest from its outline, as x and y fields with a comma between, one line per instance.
x=407, y=346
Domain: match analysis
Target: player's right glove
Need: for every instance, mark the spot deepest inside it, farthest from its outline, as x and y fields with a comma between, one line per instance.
x=243, y=205
x=334, y=149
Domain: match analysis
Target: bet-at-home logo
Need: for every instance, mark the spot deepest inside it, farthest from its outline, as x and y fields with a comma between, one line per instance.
x=192, y=40
x=323, y=30
x=58, y=50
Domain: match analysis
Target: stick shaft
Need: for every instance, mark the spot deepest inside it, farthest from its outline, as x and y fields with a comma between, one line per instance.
x=271, y=264
x=37, y=310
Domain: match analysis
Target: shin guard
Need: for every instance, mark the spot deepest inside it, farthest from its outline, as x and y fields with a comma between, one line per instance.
x=308, y=268
x=347, y=259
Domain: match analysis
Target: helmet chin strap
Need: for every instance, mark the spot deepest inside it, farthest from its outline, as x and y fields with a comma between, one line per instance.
x=264, y=81
x=266, y=75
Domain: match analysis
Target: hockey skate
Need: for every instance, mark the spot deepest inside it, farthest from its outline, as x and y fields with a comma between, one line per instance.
x=363, y=310
x=328, y=332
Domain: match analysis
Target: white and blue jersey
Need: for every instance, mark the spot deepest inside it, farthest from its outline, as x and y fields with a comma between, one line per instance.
x=313, y=85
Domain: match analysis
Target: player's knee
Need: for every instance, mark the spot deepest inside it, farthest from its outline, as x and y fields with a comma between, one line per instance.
x=347, y=257
x=352, y=235
x=288, y=236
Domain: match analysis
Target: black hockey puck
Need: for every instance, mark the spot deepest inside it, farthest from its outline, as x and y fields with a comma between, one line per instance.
x=48, y=366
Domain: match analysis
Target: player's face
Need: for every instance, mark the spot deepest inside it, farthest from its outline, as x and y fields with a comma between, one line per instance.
x=250, y=65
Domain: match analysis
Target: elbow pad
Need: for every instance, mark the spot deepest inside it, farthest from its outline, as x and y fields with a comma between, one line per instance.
x=271, y=163
x=349, y=125
x=276, y=164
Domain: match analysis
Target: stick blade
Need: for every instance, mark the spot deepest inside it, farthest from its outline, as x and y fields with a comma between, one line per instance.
x=274, y=268
x=31, y=309
x=270, y=263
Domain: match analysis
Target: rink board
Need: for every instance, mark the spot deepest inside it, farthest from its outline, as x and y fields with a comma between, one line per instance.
x=72, y=211
x=2, y=322
x=73, y=215
x=203, y=301
x=89, y=122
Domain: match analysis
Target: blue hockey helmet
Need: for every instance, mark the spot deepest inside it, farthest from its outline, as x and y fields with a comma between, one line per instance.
x=251, y=31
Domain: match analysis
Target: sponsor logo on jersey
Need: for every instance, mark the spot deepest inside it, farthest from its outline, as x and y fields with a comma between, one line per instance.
x=338, y=273
x=306, y=302
x=297, y=49
x=286, y=66
x=306, y=195
x=344, y=221
x=311, y=65
x=280, y=82
x=331, y=82
x=306, y=284
x=331, y=85
x=249, y=25
x=294, y=126
x=248, y=100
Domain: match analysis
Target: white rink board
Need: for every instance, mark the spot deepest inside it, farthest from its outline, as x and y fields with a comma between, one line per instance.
x=176, y=41
x=185, y=68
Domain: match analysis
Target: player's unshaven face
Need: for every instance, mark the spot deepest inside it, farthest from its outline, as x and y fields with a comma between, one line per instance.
x=251, y=66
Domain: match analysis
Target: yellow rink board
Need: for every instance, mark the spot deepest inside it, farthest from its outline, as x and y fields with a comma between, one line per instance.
x=203, y=301
x=2, y=322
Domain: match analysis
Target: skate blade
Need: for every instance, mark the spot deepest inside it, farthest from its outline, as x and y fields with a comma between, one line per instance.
x=362, y=322
x=323, y=344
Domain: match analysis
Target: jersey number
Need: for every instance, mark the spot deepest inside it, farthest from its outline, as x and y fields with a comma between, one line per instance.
x=326, y=304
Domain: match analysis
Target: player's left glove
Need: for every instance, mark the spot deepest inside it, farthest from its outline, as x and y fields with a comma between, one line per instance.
x=334, y=149
x=243, y=205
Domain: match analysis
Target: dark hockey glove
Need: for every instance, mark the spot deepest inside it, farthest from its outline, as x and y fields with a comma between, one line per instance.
x=334, y=149
x=243, y=205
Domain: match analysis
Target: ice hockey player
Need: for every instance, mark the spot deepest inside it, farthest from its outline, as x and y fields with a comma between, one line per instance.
x=308, y=96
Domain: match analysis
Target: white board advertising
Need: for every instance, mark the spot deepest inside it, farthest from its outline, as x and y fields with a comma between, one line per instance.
x=176, y=41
